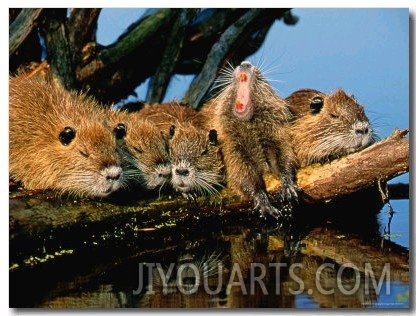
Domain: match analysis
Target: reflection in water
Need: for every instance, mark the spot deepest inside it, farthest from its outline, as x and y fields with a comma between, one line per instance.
x=241, y=269
x=227, y=263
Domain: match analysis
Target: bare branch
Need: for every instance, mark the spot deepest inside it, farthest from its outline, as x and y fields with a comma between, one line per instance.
x=22, y=26
x=137, y=36
x=58, y=47
x=216, y=57
x=382, y=161
x=170, y=57
x=82, y=28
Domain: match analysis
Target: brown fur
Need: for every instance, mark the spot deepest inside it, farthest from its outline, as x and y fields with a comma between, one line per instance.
x=254, y=142
x=327, y=126
x=39, y=112
x=197, y=167
x=144, y=150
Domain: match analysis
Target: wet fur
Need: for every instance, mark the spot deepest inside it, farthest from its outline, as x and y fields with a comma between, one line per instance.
x=144, y=150
x=339, y=128
x=254, y=146
x=190, y=149
x=38, y=112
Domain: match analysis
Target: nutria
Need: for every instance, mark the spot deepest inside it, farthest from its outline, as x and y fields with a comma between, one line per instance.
x=327, y=126
x=144, y=150
x=197, y=167
x=60, y=140
x=251, y=121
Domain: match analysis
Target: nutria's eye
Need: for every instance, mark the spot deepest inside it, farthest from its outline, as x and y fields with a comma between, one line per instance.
x=204, y=152
x=138, y=150
x=172, y=130
x=67, y=135
x=316, y=105
x=120, y=130
x=334, y=116
x=213, y=137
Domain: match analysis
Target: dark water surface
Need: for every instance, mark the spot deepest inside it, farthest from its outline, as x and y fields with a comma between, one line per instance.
x=340, y=255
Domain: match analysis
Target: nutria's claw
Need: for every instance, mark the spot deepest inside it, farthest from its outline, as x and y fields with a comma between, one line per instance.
x=263, y=204
x=189, y=196
x=272, y=211
x=289, y=193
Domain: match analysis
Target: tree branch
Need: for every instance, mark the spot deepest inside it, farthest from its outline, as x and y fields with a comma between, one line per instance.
x=22, y=26
x=82, y=27
x=382, y=161
x=170, y=56
x=58, y=47
x=217, y=56
x=139, y=35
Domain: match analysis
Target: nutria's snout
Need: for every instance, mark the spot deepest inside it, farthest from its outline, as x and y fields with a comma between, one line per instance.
x=327, y=126
x=112, y=173
x=245, y=65
x=362, y=128
x=183, y=172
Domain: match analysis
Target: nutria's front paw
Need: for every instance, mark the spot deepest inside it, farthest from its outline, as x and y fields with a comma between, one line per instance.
x=282, y=214
x=289, y=192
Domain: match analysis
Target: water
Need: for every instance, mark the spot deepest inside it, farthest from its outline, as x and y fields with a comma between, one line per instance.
x=185, y=257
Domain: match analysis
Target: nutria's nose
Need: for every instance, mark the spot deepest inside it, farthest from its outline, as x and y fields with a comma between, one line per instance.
x=112, y=173
x=182, y=172
x=245, y=65
x=361, y=128
x=362, y=131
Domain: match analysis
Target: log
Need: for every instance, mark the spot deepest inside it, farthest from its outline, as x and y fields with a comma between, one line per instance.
x=398, y=191
x=41, y=220
x=319, y=183
x=82, y=29
x=378, y=163
x=22, y=26
x=108, y=74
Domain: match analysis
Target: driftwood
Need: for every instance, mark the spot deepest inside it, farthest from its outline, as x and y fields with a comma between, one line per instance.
x=378, y=163
x=161, y=44
x=76, y=242
x=48, y=232
x=34, y=215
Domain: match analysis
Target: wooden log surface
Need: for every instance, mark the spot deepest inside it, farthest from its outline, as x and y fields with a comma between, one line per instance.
x=382, y=161
x=41, y=222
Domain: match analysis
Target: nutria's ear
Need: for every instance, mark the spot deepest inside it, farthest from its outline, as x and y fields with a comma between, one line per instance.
x=316, y=105
x=120, y=130
x=172, y=130
x=67, y=135
x=213, y=137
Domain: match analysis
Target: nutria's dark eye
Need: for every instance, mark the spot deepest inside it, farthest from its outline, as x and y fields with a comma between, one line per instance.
x=316, y=105
x=213, y=137
x=172, y=130
x=120, y=130
x=138, y=150
x=67, y=135
x=334, y=116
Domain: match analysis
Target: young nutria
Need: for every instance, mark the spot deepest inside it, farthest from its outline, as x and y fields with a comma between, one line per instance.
x=327, y=126
x=60, y=140
x=251, y=121
x=144, y=150
x=197, y=167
